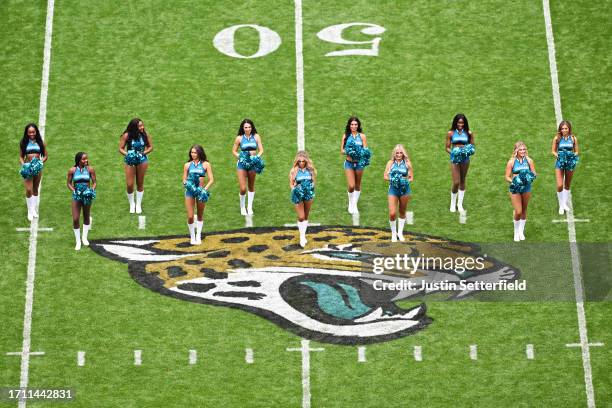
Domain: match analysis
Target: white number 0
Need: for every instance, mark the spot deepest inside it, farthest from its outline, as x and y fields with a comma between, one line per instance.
x=333, y=34
x=269, y=41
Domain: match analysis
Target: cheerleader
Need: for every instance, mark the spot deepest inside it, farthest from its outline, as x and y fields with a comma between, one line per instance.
x=399, y=174
x=353, y=167
x=520, y=172
x=81, y=180
x=565, y=149
x=459, y=136
x=302, y=179
x=135, y=144
x=32, y=154
x=196, y=193
x=246, y=146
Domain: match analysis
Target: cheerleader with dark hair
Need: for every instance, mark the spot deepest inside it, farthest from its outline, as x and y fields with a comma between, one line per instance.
x=196, y=193
x=32, y=154
x=135, y=144
x=302, y=178
x=354, y=142
x=565, y=149
x=460, y=146
x=399, y=174
x=248, y=150
x=81, y=180
x=520, y=173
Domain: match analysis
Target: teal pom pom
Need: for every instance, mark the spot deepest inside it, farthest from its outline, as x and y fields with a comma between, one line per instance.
x=522, y=181
x=304, y=191
x=192, y=186
x=462, y=154
x=202, y=194
x=251, y=163
x=31, y=169
x=358, y=153
x=133, y=158
x=567, y=160
x=138, y=145
x=399, y=182
x=84, y=194
x=257, y=164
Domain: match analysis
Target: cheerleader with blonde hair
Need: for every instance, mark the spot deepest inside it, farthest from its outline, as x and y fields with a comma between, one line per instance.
x=520, y=173
x=302, y=179
x=399, y=174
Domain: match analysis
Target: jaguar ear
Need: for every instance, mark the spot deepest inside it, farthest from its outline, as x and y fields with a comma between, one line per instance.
x=133, y=251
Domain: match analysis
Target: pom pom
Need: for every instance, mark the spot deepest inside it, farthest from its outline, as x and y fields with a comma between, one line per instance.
x=358, y=153
x=84, y=194
x=462, y=154
x=399, y=182
x=138, y=145
x=31, y=169
x=304, y=191
x=522, y=181
x=567, y=160
x=251, y=163
x=192, y=186
x=133, y=158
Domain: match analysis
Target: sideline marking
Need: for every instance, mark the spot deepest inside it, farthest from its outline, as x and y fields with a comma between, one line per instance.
x=580, y=345
x=462, y=217
x=20, y=353
x=29, y=298
x=310, y=224
x=27, y=229
x=571, y=226
x=193, y=357
x=299, y=75
x=575, y=220
x=81, y=358
x=361, y=354
x=409, y=218
x=142, y=222
x=473, y=352
x=305, y=349
x=137, y=357
x=418, y=353
x=530, y=352
x=248, y=356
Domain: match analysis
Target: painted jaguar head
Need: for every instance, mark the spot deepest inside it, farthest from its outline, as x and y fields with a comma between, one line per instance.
x=326, y=292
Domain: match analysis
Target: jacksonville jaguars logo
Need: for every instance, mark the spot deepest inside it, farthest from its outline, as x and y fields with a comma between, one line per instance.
x=327, y=292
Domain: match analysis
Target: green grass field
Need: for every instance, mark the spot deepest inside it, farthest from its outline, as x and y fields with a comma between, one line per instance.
x=113, y=60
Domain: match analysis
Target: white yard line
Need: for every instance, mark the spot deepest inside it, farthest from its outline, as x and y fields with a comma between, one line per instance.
x=248, y=356
x=142, y=222
x=529, y=351
x=299, y=75
x=361, y=354
x=418, y=353
x=137, y=357
x=571, y=226
x=575, y=220
x=29, y=298
x=473, y=352
x=462, y=217
x=81, y=358
x=193, y=357
x=305, y=350
x=27, y=229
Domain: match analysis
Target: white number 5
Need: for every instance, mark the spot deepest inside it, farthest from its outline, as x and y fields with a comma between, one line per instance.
x=333, y=34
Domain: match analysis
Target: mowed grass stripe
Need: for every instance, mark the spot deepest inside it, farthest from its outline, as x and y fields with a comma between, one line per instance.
x=157, y=61
x=22, y=32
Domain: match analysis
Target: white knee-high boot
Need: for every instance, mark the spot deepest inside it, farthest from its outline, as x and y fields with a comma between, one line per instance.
x=393, y=225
